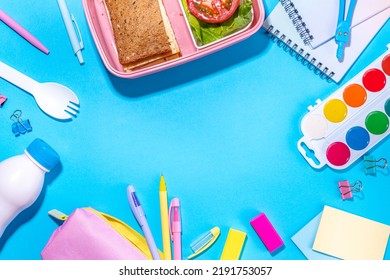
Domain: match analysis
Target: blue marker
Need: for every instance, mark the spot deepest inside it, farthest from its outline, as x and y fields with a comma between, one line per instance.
x=68, y=20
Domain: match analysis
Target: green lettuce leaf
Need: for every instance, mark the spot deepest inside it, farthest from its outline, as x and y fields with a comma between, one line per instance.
x=209, y=32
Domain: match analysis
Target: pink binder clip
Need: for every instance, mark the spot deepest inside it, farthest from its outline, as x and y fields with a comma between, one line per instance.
x=2, y=100
x=346, y=189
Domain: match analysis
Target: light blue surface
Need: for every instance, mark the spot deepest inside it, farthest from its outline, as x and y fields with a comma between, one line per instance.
x=304, y=240
x=222, y=129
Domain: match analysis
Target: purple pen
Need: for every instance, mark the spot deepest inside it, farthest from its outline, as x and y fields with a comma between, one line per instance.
x=141, y=219
x=22, y=32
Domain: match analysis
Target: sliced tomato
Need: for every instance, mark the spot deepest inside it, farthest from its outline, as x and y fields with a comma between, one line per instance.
x=213, y=11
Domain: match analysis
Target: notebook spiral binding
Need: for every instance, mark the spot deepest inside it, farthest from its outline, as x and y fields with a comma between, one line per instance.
x=305, y=58
x=297, y=20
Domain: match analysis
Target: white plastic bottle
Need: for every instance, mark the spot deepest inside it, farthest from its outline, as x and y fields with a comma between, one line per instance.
x=22, y=178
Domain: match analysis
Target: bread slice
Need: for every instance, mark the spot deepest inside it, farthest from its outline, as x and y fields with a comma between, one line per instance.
x=142, y=32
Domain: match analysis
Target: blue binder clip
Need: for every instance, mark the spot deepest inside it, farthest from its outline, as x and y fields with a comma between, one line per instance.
x=2, y=100
x=19, y=125
x=343, y=27
x=371, y=164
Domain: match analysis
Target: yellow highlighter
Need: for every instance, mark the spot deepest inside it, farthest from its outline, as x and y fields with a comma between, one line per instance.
x=165, y=220
x=233, y=245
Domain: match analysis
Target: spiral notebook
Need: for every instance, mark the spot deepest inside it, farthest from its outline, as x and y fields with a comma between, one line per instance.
x=322, y=60
x=316, y=21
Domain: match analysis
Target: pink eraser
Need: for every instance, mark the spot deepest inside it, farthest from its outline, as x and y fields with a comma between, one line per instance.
x=266, y=232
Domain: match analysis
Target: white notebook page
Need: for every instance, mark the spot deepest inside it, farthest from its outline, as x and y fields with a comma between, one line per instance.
x=361, y=35
x=320, y=17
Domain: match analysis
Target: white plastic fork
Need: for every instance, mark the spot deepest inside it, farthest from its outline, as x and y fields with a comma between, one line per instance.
x=54, y=99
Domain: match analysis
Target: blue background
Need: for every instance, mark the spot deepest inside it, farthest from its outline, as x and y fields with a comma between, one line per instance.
x=222, y=129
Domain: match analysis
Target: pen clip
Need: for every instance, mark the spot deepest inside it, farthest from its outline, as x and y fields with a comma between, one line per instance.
x=78, y=31
x=170, y=220
x=174, y=217
x=137, y=207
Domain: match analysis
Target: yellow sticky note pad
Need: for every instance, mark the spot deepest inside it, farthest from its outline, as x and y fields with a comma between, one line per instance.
x=233, y=245
x=350, y=237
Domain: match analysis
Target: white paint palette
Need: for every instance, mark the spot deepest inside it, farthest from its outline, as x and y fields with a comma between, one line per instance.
x=352, y=120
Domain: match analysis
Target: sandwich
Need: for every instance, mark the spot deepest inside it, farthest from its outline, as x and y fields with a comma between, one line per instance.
x=142, y=31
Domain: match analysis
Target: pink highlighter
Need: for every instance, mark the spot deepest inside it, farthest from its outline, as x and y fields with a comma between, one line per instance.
x=267, y=232
x=175, y=227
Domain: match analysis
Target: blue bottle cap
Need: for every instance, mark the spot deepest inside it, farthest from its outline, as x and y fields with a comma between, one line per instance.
x=43, y=154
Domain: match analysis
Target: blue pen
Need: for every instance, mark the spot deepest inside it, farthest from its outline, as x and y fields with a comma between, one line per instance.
x=68, y=20
x=141, y=219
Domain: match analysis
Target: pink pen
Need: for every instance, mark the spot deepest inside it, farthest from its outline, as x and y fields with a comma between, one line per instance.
x=175, y=227
x=22, y=32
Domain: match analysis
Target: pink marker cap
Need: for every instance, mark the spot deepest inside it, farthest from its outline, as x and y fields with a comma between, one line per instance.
x=267, y=232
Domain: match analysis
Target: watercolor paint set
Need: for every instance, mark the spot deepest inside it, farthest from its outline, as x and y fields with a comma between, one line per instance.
x=351, y=121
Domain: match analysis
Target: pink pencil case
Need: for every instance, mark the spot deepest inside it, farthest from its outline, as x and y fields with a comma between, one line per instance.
x=100, y=27
x=88, y=234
